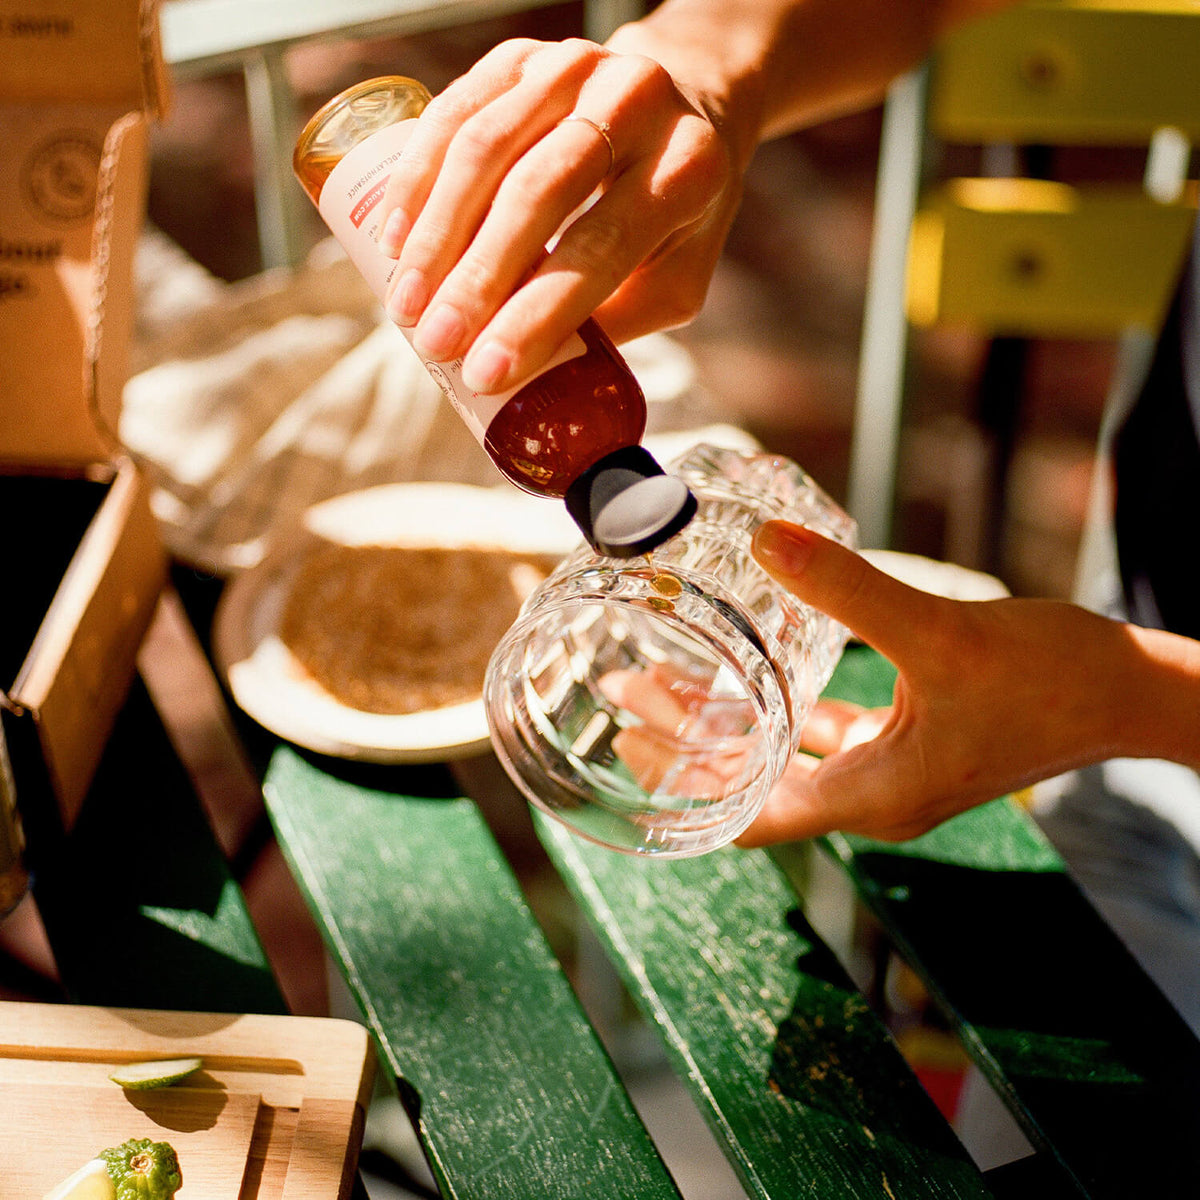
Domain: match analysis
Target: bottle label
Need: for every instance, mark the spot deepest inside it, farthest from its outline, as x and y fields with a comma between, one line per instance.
x=349, y=205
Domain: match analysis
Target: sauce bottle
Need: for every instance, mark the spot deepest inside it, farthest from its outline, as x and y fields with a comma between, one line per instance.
x=574, y=430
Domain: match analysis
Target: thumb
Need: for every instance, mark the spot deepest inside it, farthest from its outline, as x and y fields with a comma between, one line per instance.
x=882, y=611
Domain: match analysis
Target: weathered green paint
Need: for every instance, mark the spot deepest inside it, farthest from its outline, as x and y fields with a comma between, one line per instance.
x=801, y=1082
x=798, y=1079
x=1095, y=1065
x=138, y=901
x=510, y=1088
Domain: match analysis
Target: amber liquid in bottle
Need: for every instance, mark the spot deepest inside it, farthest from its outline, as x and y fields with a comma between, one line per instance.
x=312, y=170
x=552, y=429
x=568, y=418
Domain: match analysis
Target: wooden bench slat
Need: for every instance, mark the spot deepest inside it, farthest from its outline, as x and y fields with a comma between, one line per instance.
x=1078, y=1041
x=799, y=1080
x=138, y=902
x=506, y=1081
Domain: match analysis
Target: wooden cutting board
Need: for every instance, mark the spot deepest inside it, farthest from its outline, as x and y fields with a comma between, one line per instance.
x=275, y=1113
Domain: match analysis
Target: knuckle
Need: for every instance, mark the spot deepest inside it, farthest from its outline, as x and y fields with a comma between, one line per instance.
x=641, y=80
x=706, y=167
x=575, y=52
x=533, y=180
x=849, y=581
x=445, y=112
x=570, y=58
x=478, y=140
x=471, y=285
x=905, y=831
x=596, y=244
x=516, y=50
x=504, y=62
x=425, y=243
x=905, y=814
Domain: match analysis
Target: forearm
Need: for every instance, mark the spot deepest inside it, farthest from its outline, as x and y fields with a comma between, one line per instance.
x=764, y=67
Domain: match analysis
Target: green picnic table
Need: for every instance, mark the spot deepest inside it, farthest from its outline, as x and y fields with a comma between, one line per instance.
x=510, y=1088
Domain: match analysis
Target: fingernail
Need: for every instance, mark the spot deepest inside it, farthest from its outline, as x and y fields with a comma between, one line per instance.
x=439, y=333
x=408, y=298
x=782, y=547
x=486, y=367
x=395, y=230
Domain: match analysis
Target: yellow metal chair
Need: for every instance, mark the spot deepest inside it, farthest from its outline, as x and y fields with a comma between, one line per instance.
x=1023, y=257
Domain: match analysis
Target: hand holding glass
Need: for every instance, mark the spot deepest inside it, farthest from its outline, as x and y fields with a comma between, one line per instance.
x=651, y=703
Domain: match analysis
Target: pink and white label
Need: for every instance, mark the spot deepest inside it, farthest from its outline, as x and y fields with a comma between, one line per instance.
x=349, y=205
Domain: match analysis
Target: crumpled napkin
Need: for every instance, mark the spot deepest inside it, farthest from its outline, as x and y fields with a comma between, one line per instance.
x=248, y=402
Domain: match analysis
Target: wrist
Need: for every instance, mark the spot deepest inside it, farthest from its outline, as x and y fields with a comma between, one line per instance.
x=716, y=63
x=1161, y=713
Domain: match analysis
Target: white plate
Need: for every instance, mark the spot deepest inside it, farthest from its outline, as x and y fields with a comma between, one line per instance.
x=265, y=677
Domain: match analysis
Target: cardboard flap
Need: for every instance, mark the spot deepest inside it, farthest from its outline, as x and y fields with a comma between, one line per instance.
x=82, y=51
x=121, y=193
x=75, y=78
x=59, y=402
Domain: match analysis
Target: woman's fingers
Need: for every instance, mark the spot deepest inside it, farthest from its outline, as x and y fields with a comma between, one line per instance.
x=409, y=186
x=897, y=620
x=835, y=725
x=669, y=287
x=665, y=192
x=563, y=144
x=462, y=149
x=649, y=695
x=677, y=703
x=509, y=321
x=513, y=323
x=876, y=788
x=791, y=811
x=663, y=765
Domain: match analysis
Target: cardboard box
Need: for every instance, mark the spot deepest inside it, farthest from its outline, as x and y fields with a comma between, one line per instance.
x=81, y=564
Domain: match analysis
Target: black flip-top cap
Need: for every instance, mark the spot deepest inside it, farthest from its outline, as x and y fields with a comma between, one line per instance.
x=626, y=504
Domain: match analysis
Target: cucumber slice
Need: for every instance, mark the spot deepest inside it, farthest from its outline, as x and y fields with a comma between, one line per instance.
x=138, y=1076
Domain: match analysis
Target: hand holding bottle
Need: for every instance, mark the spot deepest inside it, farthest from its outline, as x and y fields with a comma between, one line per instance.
x=503, y=162
x=651, y=132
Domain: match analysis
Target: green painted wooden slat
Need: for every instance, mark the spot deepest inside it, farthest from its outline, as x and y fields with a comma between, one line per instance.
x=1094, y=1063
x=507, y=1083
x=798, y=1079
x=138, y=901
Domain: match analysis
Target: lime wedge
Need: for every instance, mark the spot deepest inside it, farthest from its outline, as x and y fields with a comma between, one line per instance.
x=90, y=1182
x=137, y=1076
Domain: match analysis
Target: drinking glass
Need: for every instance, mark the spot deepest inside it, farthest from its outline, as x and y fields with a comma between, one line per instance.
x=651, y=703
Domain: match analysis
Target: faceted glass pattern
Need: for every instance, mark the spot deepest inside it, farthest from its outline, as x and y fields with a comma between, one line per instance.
x=651, y=703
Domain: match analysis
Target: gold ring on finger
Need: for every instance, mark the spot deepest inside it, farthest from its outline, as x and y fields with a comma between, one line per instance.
x=603, y=129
